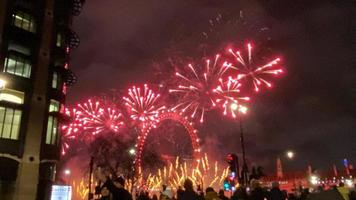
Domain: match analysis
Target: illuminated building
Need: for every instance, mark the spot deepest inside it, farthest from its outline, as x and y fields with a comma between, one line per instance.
x=35, y=43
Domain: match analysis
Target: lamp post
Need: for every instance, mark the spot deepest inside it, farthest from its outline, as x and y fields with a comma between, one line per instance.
x=91, y=165
x=241, y=110
x=290, y=154
x=132, y=152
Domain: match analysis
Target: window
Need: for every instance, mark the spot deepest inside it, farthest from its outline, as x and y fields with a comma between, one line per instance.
x=13, y=46
x=60, y=40
x=56, y=81
x=24, y=21
x=10, y=120
x=52, y=131
x=48, y=171
x=17, y=65
x=54, y=106
x=12, y=96
x=59, y=63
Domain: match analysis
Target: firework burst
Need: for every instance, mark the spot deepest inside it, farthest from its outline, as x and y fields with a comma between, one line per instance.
x=258, y=74
x=69, y=131
x=197, y=87
x=229, y=95
x=142, y=104
x=96, y=118
x=89, y=119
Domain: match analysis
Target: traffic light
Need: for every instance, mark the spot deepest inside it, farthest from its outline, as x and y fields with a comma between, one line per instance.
x=233, y=162
x=229, y=183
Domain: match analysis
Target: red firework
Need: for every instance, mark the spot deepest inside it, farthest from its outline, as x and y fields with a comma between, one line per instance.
x=228, y=96
x=96, y=118
x=69, y=131
x=90, y=119
x=143, y=104
x=198, y=86
x=257, y=73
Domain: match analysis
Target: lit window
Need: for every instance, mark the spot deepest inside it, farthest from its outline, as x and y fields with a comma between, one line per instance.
x=10, y=120
x=60, y=40
x=17, y=65
x=12, y=96
x=52, y=131
x=56, y=81
x=24, y=21
x=54, y=106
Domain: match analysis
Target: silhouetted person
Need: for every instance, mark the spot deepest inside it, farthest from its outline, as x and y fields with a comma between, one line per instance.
x=240, y=194
x=276, y=193
x=304, y=194
x=257, y=192
x=154, y=197
x=222, y=195
x=115, y=186
x=352, y=194
x=200, y=193
x=179, y=192
x=343, y=191
x=143, y=196
x=210, y=194
x=189, y=193
x=291, y=197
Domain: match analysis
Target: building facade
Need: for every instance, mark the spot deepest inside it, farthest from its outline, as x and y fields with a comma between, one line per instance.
x=35, y=44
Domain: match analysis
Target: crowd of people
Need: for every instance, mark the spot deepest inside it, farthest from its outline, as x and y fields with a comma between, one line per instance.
x=113, y=189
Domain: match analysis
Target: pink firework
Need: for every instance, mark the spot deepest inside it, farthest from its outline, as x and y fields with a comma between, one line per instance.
x=87, y=120
x=69, y=131
x=91, y=118
x=96, y=118
x=257, y=73
x=228, y=95
x=73, y=127
x=198, y=86
x=143, y=104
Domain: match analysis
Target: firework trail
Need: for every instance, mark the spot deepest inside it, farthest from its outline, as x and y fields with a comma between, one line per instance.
x=202, y=172
x=248, y=69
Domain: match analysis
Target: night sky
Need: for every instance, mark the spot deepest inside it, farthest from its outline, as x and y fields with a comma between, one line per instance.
x=312, y=107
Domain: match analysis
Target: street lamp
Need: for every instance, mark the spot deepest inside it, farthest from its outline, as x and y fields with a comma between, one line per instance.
x=241, y=109
x=67, y=172
x=132, y=151
x=290, y=154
